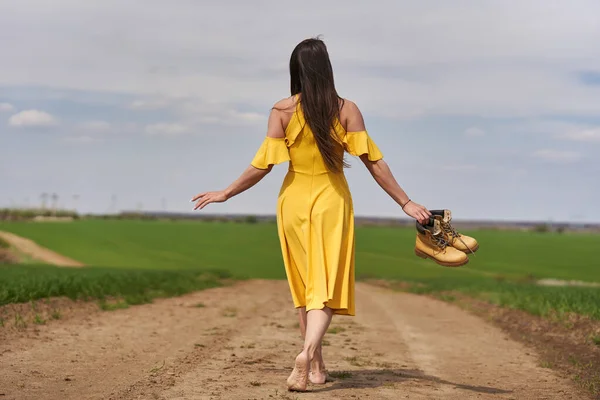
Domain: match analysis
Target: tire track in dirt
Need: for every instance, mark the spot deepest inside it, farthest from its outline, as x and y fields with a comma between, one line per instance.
x=465, y=357
x=38, y=252
x=242, y=343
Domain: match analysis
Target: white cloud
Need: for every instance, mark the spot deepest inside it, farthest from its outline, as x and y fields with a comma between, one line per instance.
x=250, y=117
x=557, y=156
x=32, y=118
x=166, y=129
x=425, y=60
x=217, y=113
x=584, y=135
x=474, y=132
x=191, y=111
x=96, y=126
x=6, y=107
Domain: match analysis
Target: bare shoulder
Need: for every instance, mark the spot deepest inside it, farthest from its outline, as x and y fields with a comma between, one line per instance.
x=285, y=105
x=280, y=116
x=349, y=107
x=351, y=117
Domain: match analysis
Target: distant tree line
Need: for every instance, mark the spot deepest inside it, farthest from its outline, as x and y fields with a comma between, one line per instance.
x=17, y=214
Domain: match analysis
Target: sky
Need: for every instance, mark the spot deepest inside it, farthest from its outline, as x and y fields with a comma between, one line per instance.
x=488, y=108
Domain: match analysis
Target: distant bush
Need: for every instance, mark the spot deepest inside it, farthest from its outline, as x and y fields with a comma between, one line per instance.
x=251, y=219
x=541, y=228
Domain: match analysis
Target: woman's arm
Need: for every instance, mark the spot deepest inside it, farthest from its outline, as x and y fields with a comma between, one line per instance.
x=380, y=170
x=250, y=177
x=382, y=174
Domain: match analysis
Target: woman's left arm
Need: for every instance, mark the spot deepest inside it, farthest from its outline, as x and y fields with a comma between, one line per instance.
x=250, y=177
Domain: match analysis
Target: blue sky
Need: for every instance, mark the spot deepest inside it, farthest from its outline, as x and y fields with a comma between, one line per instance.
x=489, y=108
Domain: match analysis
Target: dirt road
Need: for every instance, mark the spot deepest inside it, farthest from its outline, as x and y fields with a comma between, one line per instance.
x=241, y=341
x=38, y=252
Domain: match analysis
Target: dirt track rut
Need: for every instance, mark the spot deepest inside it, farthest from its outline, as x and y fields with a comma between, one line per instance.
x=241, y=343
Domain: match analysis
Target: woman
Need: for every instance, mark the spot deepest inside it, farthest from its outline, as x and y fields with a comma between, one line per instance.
x=315, y=217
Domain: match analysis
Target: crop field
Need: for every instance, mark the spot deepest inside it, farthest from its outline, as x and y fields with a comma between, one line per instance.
x=503, y=271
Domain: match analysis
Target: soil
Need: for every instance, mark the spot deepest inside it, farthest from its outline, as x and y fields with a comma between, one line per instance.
x=37, y=252
x=568, y=344
x=8, y=257
x=239, y=342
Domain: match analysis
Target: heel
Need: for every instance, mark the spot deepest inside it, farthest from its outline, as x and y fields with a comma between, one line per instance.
x=419, y=253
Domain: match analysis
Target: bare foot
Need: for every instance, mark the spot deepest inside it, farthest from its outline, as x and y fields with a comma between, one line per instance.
x=297, y=380
x=318, y=373
x=317, y=378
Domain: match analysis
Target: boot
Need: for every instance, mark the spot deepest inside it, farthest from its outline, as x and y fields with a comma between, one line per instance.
x=431, y=243
x=461, y=242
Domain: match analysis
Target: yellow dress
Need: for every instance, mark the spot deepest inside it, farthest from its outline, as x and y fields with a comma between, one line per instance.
x=315, y=215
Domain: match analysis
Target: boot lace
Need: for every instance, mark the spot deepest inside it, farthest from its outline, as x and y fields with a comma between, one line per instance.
x=452, y=232
x=449, y=229
x=440, y=242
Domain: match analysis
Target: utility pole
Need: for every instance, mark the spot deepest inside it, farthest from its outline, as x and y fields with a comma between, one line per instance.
x=112, y=208
x=44, y=198
x=75, y=198
x=54, y=203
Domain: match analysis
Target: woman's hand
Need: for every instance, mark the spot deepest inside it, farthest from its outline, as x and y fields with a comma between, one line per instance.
x=417, y=211
x=203, y=199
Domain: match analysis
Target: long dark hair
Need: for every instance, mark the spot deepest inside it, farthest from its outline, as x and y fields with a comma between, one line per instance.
x=311, y=75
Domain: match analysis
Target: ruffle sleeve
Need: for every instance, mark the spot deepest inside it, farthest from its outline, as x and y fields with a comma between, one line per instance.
x=359, y=143
x=272, y=151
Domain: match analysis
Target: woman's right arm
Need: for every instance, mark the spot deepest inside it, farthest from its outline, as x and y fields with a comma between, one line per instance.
x=381, y=172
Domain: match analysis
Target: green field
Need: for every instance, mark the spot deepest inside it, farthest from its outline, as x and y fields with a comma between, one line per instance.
x=131, y=286
x=252, y=250
x=501, y=271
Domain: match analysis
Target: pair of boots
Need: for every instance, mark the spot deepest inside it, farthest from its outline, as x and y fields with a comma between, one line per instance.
x=439, y=241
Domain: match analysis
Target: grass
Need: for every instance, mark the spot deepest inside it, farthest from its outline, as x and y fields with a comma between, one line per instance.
x=19, y=321
x=112, y=306
x=23, y=283
x=229, y=312
x=353, y=361
x=157, y=368
x=143, y=259
x=521, y=295
x=246, y=250
x=4, y=244
x=252, y=250
x=340, y=374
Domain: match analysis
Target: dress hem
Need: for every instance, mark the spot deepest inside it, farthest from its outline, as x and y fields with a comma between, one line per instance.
x=336, y=311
